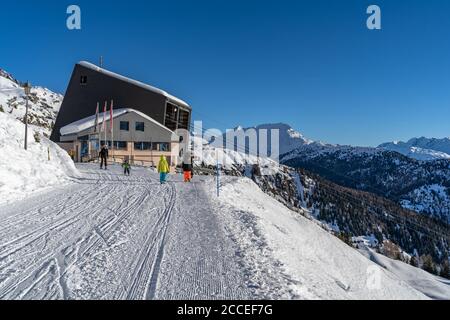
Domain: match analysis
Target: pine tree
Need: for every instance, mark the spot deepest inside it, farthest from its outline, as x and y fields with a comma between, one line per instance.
x=428, y=264
x=445, y=270
x=345, y=237
x=414, y=261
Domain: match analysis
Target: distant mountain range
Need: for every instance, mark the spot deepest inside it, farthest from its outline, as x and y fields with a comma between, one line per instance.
x=399, y=175
x=421, y=148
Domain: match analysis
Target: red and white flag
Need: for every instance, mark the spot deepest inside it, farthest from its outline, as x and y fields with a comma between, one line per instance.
x=104, y=117
x=111, y=124
x=96, y=117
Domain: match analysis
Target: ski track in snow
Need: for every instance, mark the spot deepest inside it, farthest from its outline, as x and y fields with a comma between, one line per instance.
x=107, y=236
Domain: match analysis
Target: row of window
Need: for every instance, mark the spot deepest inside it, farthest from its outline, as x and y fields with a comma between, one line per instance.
x=118, y=145
x=138, y=126
x=143, y=146
x=154, y=146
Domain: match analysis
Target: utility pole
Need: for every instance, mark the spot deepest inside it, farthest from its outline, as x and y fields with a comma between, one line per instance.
x=151, y=154
x=101, y=61
x=27, y=89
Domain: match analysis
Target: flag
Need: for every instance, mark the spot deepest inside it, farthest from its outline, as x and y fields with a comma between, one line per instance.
x=96, y=117
x=111, y=124
x=104, y=117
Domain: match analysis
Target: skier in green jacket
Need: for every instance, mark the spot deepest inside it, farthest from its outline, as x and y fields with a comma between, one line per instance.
x=126, y=167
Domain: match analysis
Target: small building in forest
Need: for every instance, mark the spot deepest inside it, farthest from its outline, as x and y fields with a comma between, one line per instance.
x=135, y=136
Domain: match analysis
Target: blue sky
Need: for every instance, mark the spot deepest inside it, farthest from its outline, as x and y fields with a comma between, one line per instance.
x=312, y=64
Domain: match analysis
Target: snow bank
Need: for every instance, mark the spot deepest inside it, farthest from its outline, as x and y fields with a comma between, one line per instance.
x=314, y=263
x=23, y=172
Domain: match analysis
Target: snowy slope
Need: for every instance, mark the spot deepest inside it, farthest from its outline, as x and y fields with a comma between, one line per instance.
x=43, y=103
x=433, y=199
x=23, y=172
x=107, y=236
x=316, y=149
x=432, y=286
x=296, y=255
x=209, y=156
x=421, y=148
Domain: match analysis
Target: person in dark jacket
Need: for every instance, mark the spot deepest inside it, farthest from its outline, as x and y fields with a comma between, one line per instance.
x=104, y=153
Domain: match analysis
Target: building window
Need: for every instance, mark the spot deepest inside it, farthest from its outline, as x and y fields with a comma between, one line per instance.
x=83, y=80
x=171, y=116
x=140, y=126
x=124, y=126
x=83, y=138
x=164, y=147
x=183, y=120
x=119, y=145
x=143, y=146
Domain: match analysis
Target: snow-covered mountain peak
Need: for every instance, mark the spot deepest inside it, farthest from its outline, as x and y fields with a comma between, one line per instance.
x=287, y=130
x=294, y=134
x=289, y=138
x=6, y=75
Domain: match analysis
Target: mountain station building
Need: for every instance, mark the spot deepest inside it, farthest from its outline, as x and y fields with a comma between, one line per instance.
x=144, y=125
x=136, y=137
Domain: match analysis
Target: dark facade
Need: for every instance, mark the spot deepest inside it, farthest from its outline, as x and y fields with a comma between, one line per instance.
x=90, y=85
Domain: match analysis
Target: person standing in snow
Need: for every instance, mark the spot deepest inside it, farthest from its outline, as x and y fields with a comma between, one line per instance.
x=163, y=169
x=187, y=171
x=187, y=167
x=126, y=167
x=104, y=157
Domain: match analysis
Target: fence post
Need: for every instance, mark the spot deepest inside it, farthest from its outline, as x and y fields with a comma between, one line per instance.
x=218, y=173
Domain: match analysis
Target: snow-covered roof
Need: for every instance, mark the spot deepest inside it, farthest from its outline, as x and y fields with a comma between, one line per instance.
x=135, y=82
x=89, y=122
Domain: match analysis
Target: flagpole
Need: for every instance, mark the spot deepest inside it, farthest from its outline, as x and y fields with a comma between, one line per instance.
x=97, y=131
x=111, y=126
x=104, y=122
